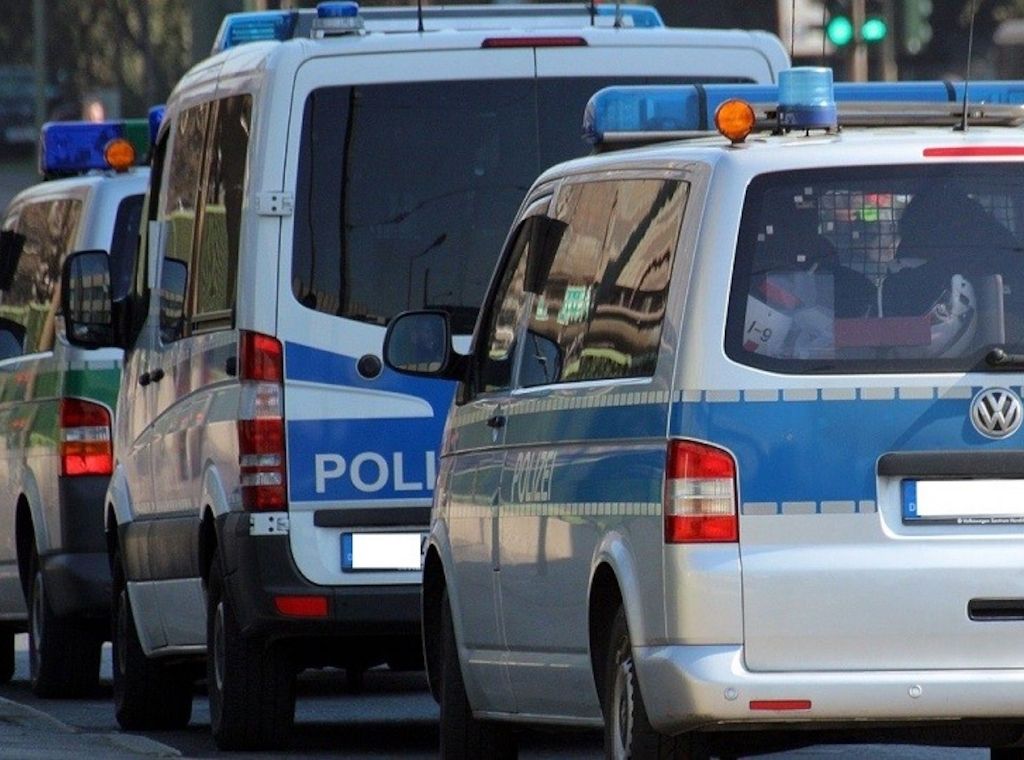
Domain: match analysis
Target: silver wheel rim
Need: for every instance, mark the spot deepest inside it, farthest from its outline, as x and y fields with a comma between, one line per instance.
x=218, y=646
x=37, y=624
x=622, y=704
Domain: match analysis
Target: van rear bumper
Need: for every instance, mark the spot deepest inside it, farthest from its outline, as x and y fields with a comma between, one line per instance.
x=688, y=687
x=260, y=568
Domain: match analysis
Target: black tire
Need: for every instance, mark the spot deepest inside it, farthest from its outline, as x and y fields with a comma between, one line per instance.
x=628, y=734
x=463, y=737
x=149, y=695
x=6, y=656
x=63, y=653
x=251, y=684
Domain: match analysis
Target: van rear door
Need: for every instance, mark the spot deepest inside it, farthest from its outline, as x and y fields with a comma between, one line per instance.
x=879, y=455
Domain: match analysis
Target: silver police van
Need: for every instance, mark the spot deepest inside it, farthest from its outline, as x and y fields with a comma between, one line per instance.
x=736, y=450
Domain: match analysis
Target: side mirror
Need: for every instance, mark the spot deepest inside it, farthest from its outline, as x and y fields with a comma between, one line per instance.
x=11, y=245
x=12, y=338
x=420, y=343
x=85, y=300
x=173, y=284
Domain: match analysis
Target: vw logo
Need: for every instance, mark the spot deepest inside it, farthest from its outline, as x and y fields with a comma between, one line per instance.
x=997, y=412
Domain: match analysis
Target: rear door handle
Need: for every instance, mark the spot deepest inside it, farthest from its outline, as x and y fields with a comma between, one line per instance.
x=156, y=375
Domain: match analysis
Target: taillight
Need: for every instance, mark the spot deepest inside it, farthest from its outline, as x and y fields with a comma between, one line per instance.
x=261, y=449
x=700, y=494
x=85, y=446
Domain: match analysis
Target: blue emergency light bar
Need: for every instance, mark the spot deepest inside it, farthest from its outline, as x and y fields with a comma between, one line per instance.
x=155, y=118
x=74, y=147
x=642, y=111
x=255, y=26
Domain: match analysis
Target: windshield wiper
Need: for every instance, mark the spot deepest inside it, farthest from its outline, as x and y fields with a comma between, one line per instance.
x=1000, y=359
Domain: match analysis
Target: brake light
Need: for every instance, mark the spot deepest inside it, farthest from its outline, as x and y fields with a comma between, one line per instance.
x=261, y=437
x=85, y=445
x=700, y=494
x=533, y=42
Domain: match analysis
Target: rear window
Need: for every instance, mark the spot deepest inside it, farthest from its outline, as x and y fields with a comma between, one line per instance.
x=406, y=191
x=879, y=269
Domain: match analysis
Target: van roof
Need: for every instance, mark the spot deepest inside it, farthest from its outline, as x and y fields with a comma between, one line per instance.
x=256, y=58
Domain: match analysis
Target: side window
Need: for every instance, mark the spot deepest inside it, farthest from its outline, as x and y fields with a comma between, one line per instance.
x=216, y=257
x=31, y=301
x=179, y=194
x=599, y=305
x=497, y=349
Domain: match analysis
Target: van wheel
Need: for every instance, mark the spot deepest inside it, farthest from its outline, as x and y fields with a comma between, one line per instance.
x=148, y=695
x=63, y=654
x=628, y=734
x=6, y=656
x=251, y=684
x=463, y=737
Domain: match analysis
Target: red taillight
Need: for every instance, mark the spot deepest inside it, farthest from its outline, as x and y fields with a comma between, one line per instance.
x=301, y=606
x=260, y=358
x=533, y=42
x=261, y=437
x=85, y=446
x=700, y=494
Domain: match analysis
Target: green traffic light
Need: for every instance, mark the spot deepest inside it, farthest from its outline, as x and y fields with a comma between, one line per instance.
x=874, y=30
x=839, y=31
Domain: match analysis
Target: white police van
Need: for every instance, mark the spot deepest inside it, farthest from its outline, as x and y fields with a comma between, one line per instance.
x=272, y=483
x=56, y=401
x=736, y=451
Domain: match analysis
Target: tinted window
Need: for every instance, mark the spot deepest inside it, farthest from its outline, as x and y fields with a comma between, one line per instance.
x=598, y=310
x=405, y=191
x=125, y=243
x=878, y=269
x=179, y=197
x=48, y=229
x=217, y=254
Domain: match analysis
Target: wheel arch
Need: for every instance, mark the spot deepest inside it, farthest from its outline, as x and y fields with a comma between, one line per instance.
x=434, y=584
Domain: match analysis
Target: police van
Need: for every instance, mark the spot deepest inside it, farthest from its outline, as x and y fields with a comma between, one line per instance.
x=272, y=483
x=736, y=451
x=56, y=402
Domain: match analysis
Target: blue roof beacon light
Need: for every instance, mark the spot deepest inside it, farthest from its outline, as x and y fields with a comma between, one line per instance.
x=75, y=147
x=156, y=118
x=637, y=16
x=337, y=17
x=254, y=26
x=806, y=99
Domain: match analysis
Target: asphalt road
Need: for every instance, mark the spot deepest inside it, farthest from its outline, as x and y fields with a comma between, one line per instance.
x=393, y=717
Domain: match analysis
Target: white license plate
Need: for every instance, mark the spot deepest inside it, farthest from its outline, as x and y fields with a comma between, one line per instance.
x=964, y=502
x=381, y=551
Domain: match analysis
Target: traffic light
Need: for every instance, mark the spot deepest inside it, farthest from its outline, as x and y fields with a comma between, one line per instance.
x=917, y=28
x=840, y=30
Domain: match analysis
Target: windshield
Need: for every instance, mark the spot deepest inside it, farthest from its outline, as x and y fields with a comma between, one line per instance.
x=406, y=191
x=879, y=269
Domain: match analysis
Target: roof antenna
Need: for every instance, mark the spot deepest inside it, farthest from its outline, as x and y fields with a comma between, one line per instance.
x=419, y=15
x=618, y=14
x=967, y=75
x=593, y=11
x=792, y=30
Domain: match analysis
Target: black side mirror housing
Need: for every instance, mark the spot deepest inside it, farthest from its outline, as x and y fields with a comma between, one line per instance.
x=420, y=343
x=86, y=300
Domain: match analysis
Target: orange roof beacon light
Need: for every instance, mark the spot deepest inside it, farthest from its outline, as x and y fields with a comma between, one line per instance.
x=735, y=119
x=119, y=154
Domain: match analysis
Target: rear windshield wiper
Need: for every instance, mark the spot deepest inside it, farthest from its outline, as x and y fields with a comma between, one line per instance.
x=1000, y=359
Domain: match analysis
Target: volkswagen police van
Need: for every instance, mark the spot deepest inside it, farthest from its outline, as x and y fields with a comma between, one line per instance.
x=56, y=402
x=272, y=481
x=736, y=450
